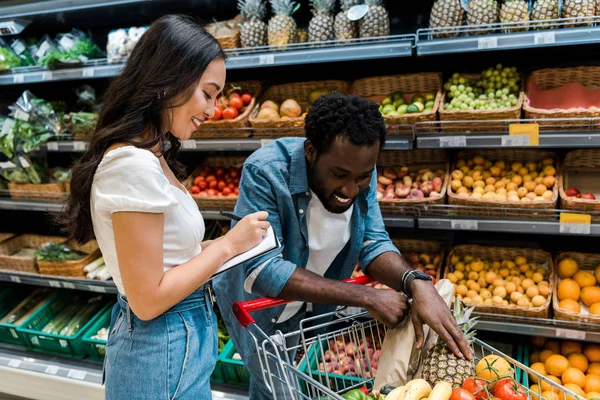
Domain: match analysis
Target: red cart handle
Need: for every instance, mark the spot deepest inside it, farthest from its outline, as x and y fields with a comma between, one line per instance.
x=242, y=309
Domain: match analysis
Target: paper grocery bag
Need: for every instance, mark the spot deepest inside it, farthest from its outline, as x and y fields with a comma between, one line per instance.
x=400, y=360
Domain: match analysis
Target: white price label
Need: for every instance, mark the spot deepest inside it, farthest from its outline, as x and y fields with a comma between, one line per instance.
x=464, y=224
x=79, y=146
x=47, y=76
x=544, y=38
x=66, y=42
x=18, y=78
x=264, y=142
x=188, y=144
x=51, y=370
x=18, y=46
x=77, y=374
x=52, y=146
x=7, y=125
x=570, y=334
x=54, y=284
x=68, y=285
x=14, y=363
x=575, y=229
x=88, y=72
x=15, y=279
x=453, y=141
x=97, y=289
x=487, y=43
x=266, y=59
x=515, y=141
x=41, y=52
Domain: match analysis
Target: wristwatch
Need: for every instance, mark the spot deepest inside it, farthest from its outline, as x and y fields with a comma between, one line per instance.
x=409, y=276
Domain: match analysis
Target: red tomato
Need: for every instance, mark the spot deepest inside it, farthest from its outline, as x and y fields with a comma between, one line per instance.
x=211, y=178
x=220, y=172
x=203, y=194
x=213, y=184
x=203, y=185
x=227, y=191
x=230, y=113
x=236, y=181
x=236, y=191
x=194, y=190
x=246, y=98
x=231, y=186
x=477, y=387
x=198, y=180
x=221, y=185
x=235, y=93
x=218, y=114
x=203, y=174
x=211, y=192
x=234, y=172
x=461, y=394
x=508, y=389
x=237, y=103
x=219, y=194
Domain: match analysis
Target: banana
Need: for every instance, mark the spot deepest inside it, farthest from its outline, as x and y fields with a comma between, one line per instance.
x=441, y=391
x=397, y=394
x=416, y=390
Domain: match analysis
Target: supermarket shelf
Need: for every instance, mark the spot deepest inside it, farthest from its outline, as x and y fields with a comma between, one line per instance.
x=393, y=221
x=92, y=69
x=489, y=37
x=23, y=9
x=29, y=205
x=89, y=285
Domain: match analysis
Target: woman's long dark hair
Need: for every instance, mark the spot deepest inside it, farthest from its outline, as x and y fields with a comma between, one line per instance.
x=166, y=64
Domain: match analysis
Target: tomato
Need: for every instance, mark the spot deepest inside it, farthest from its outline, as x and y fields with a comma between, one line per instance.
x=236, y=181
x=477, y=387
x=211, y=178
x=236, y=191
x=218, y=114
x=198, y=180
x=194, y=190
x=231, y=186
x=235, y=93
x=219, y=194
x=211, y=192
x=246, y=98
x=203, y=174
x=213, y=184
x=230, y=113
x=237, y=103
x=234, y=173
x=508, y=389
x=220, y=172
x=227, y=191
x=203, y=185
x=203, y=194
x=221, y=185
x=461, y=394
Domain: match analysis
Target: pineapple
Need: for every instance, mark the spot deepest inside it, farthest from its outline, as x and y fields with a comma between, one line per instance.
x=320, y=28
x=578, y=9
x=343, y=27
x=282, y=27
x=376, y=22
x=544, y=10
x=515, y=11
x=302, y=36
x=482, y=12
x=253, y=30
x=441, y=364
x=446, y=13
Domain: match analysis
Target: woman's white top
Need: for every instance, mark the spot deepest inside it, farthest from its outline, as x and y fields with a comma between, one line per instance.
x=131, y=179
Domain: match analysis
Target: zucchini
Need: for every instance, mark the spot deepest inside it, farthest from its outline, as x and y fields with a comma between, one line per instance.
x=26, y=307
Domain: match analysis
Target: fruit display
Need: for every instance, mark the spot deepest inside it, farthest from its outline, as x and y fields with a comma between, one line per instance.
x=481, y=12
x=232, y=103
x=253, y=31
x=577, y=181
x=495, y=89
x=574, y=193
x=320, y=27
x=344, y=356
x=574, y=365
x=121, y=42
x=544, y=10
x=578, y=287
x=343, y=27
x=515, y=11
x=282, y=29
x=515, y=280
x=398, y=103
x=580, y=10
x=71, y=315
x=402, y=183
x=289, y=108
x=479, y=178
x=376, y=22
x=215, y=182
x=226, y=32
x=446, y=14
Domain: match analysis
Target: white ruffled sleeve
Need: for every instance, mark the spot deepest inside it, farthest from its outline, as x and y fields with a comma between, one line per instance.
x=131, y=179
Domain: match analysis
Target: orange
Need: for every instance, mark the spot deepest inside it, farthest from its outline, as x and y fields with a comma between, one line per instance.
x=568, y=289
x=567, y=347
x=592, y=395
x=570, y=305
x=595, y=309
x=557, y=364
x=592, y=352
x=592, y=383
x=492, y=366
x=545, y=354
x=546, y=386
x=548, y=395
x=540, y=368
x=567, y=268
x=538, y=341
x=584, y=279
x=535, y=389
x=575, y=389
x=578, y=360
x=534, y=357
x=594, y=368
x=590, y=295
x=575, y=376
x=553, y=345
x=597, y=274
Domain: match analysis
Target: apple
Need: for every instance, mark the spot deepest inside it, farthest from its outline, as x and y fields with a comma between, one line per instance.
x=572, y=192
x=588, y=196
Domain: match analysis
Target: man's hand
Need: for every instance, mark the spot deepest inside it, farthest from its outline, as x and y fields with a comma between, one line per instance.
x=388, y=306
x=429, y=308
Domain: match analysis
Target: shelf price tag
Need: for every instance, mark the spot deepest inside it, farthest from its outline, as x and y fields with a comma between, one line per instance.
x=14, y=363
x=52, y=146
x=266, y=59
x=54, y=284
x=453, y=141
x=188, y=144
x=464, y=224
x=97, y=289
x=264, y=142
x=487, y=43
x=79, y=146
x=51, y=370
x=515, y=141
x=530, y=130
x=88, y=72
x=68, y=285
x=76, y=374
x=579, y=224
x=544, y=38
x=18, y=78
x=15, y=279
x=570, y=334
x=47, y=76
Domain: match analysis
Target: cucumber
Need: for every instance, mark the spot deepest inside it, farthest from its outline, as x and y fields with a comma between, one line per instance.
x=87, y=312
x=26, y=307
x=62, y=318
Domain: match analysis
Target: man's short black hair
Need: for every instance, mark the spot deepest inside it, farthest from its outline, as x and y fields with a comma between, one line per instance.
x=354, y=118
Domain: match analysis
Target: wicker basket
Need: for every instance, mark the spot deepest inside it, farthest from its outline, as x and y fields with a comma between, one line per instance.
x=586, y=262
x=432, y=248
x=14, y=245
x=477, y=115
x=231, y=128
x=297, y=91
x=215, y=203
x=415, y=159
x=377, y=88
x=6, y=236
x=580, y=168
x=36, y=191
x=231, y=41
x=540, y=257
x=72, y=268
x=552, y=78
x=520, y=209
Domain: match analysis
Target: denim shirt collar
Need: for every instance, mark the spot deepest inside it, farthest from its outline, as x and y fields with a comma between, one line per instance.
x=298, y=178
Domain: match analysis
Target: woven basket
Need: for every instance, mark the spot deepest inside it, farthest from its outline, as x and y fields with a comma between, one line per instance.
x=72, y=268
x=580, y=165
x=215, y=203
x=586, y=262
x=417, y=159
x=36, y=191
x=432, y=248
x=552, y=78
x=540, y=257
x=6, y=236
x=297, y=91
x=477, y=115
x=508, y=156
x=377, y=88
x=14, y=245
x=231, y=128
x=231, y=41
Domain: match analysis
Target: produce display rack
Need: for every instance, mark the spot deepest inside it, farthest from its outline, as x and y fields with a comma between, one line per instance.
x=58, y=282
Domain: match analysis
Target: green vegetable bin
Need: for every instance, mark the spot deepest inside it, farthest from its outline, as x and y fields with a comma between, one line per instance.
x=10, y=298
x=65, y=346
x=96, y=348
x=234, y=371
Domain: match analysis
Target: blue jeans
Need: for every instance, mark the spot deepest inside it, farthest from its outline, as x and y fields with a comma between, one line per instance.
x=170, y=357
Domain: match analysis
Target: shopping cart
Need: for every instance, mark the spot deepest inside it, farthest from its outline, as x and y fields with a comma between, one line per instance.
x=340, y=353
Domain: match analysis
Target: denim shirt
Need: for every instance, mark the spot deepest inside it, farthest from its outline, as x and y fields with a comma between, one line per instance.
x=274, y=179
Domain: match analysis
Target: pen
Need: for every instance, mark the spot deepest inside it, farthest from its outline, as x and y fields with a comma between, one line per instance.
x=230, y=215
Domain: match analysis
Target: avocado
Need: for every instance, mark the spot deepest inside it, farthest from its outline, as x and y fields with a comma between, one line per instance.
x=386, y=101
x=399, y=102
x=388, y=109
x=419, y=98
x=430, y=96
x=402, y=109
x=413, y=109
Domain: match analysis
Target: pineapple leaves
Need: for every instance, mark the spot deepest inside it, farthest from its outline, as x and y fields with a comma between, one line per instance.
x=296, y=8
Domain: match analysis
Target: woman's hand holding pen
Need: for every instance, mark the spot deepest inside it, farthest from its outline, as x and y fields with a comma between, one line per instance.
x=248, y=232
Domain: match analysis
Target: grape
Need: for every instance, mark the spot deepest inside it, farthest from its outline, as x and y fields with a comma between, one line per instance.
x=456, y=75
x=464, y=107
x=469, y=89
x=453, y=88
x=461, y=87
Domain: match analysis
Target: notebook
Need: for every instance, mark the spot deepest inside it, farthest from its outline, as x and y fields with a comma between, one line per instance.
x=268, y=244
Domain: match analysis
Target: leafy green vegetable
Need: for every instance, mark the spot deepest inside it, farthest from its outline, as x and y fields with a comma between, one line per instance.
x=58, y=252
x=8, y=59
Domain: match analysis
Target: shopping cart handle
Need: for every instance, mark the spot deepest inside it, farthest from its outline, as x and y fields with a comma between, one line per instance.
x=242, y=309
